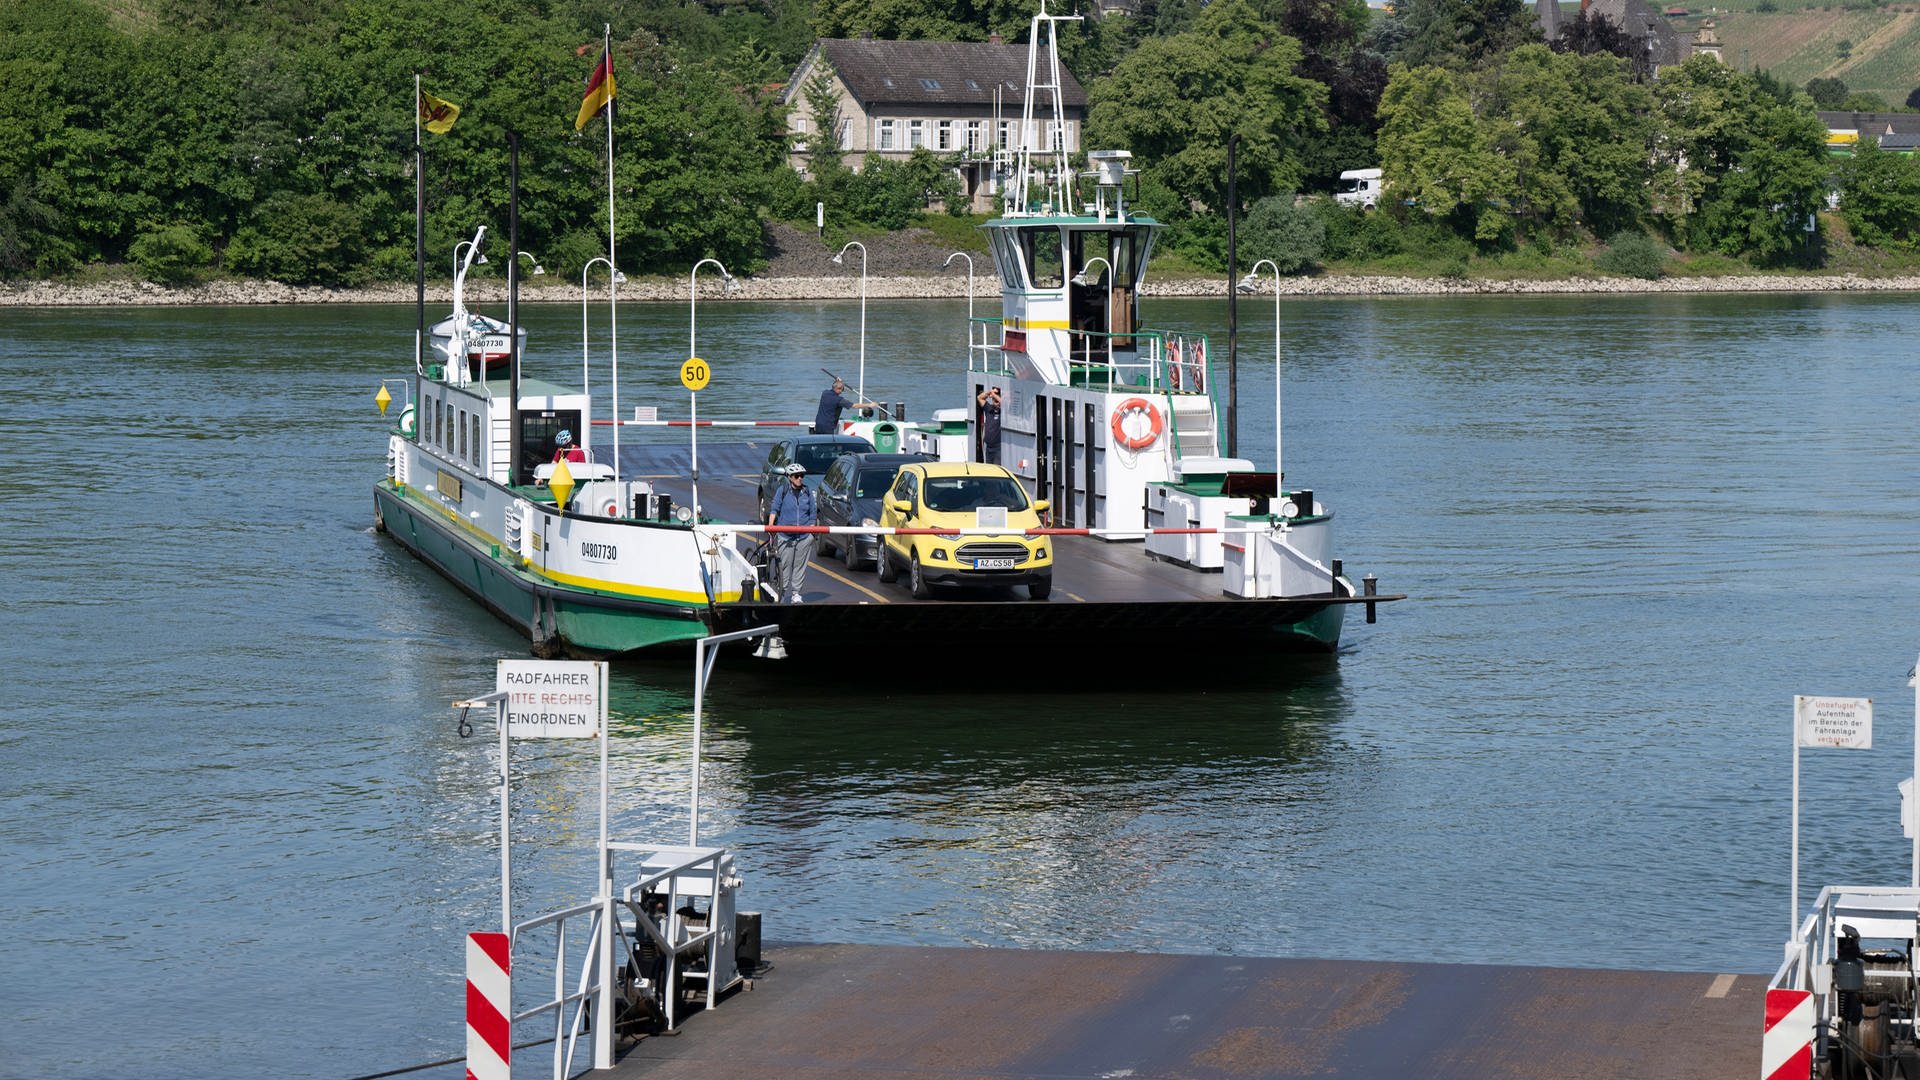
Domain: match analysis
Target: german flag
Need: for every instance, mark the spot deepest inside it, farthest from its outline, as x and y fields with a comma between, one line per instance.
x=436, y=115
x=599, y=91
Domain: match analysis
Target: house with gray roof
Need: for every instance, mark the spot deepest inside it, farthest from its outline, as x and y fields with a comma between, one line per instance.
x=958, y=98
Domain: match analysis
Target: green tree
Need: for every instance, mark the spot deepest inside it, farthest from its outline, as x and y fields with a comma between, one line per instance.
x=1175, y=102
x=823, y=115
x=1458, y=33
x=1735, y=169
x=1827, y=92
x=1880, y=200
x=1436, y=152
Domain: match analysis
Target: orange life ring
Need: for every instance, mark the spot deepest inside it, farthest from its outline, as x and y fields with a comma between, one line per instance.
x=1136, y=442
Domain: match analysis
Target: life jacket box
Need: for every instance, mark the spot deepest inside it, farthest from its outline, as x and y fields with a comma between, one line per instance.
x=1195, y=501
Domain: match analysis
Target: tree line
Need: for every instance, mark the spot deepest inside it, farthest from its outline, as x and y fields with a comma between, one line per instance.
x=274, y=138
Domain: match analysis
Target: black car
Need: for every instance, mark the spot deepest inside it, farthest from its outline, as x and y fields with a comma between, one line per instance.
x=816, y=452
x=850, y=494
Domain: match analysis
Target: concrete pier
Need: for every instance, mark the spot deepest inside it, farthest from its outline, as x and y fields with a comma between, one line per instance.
x=820, y=1011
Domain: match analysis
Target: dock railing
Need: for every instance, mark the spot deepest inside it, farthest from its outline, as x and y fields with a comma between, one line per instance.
x=544, y=964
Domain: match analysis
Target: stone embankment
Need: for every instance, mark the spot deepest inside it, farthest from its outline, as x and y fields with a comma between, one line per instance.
x=844, y=287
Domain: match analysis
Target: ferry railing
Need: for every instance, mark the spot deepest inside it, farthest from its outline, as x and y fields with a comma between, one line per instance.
x=719, y=555
x=1162, y=360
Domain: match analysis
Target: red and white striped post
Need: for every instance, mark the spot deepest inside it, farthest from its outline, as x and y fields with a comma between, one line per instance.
x=1786, y=1049
x=489, y=1007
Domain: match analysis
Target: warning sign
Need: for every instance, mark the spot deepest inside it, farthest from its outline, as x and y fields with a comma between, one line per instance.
x=1842, y=723
x=553, y=699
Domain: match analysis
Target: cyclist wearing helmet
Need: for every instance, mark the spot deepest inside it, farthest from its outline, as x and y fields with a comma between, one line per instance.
x=793, y=504
x=564, y=450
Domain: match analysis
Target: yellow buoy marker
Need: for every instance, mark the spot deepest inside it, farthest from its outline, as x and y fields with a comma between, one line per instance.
x=383, y=399
x=695, y=374
x=561, y=483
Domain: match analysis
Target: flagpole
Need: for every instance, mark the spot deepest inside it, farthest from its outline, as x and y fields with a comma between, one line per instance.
x=613, y=311
x=419, y=237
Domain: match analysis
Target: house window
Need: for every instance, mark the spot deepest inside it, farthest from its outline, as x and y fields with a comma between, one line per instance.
x=916, y=134
x=846, y=129
x=886, y=134
x=944, y=140
x=975, y=134
x=1005, y=141
x=1056, y=136
x=930, y=84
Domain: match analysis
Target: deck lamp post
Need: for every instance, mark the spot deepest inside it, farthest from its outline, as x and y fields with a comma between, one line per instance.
x=1247, y=284
x=478, y=256
x=693, y=350
x=840, y=260
x=618, y=278
x=949, y=262
x=538, y=270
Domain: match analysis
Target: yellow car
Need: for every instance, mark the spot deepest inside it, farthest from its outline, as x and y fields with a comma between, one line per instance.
x=962, y=495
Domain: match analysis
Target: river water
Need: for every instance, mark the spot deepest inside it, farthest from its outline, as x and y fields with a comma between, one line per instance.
x=241, y=834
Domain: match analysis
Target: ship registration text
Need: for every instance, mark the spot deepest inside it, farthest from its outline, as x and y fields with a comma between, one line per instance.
x=603, y=552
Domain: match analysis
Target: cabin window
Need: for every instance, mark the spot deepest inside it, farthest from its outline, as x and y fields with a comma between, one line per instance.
x=886, y=135
x=463, y=434
x=1042, y=249
x=476, y=438
x=1004, y=261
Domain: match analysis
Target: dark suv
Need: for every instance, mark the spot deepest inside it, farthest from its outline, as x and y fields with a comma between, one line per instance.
x=850, y=494
x=816, y=452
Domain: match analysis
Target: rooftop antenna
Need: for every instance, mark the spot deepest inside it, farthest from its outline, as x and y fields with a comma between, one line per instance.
x=1054, y=177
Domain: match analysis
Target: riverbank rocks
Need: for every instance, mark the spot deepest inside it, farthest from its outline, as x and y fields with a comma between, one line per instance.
x=848, y=286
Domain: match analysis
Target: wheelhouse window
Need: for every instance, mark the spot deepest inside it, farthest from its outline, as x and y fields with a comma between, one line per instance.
x=1042, y=250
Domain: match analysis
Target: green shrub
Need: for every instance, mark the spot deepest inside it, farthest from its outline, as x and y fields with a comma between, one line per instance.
x=170, y=254
x=301, y=240
x=1294, y=237
x=1633, y=254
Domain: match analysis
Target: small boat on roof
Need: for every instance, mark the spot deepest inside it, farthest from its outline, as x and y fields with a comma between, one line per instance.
x=483, y=341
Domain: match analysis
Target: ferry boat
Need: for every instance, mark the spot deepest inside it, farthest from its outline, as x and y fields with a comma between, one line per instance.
x=1114, y=424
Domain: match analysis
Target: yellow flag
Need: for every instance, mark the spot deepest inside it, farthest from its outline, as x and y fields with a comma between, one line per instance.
x=436, y=115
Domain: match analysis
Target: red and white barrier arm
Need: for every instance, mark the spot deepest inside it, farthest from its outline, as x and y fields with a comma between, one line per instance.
x=703, y=423
x=882, y=530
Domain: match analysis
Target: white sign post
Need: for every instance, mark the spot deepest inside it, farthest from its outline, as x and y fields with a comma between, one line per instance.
x=1838, y=723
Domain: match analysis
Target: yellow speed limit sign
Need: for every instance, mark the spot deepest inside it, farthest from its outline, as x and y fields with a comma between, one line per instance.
x=694, y=374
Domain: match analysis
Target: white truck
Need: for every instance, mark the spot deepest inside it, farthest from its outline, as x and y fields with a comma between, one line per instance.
x=1359, y=187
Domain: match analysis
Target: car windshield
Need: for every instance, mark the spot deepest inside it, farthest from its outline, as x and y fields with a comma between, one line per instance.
x=817, y=456
x=874, y=483
x=952, y=494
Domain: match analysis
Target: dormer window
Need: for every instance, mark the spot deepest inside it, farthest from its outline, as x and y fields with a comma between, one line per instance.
x=929, y=84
